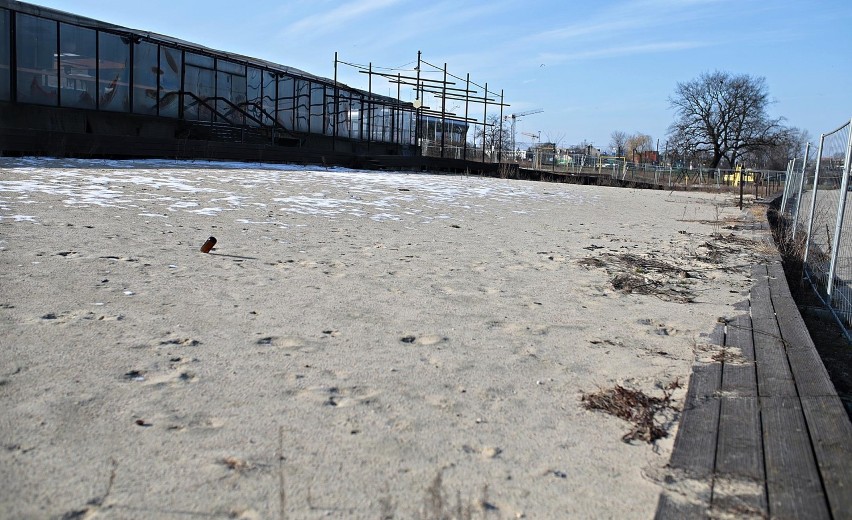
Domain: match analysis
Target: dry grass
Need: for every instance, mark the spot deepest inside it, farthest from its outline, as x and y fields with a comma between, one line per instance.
x=635, y=407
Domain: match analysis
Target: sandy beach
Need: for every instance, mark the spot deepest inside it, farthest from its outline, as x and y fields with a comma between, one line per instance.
x=357, y=345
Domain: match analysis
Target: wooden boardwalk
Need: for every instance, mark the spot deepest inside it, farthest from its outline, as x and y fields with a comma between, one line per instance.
x=763, y=433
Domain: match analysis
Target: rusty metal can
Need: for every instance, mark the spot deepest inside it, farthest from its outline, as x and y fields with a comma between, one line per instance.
x=208, y=245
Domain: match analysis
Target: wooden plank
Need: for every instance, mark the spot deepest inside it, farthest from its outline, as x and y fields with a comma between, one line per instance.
x=738, y=372
x=811, y=377
x=831, y=437
x=670, y=508
x=793, y=482
x=739, y=484
x=695, y=446
x=773, y=370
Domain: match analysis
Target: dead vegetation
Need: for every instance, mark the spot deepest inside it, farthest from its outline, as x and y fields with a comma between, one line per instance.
x=673, y=279
x=634, y=274
x=635, y=407
x=437, y=504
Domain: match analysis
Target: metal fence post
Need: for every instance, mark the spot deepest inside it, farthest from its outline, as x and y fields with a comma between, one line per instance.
x=787, y=185
x=813, y=202
x=841, y=208
x=801, y=190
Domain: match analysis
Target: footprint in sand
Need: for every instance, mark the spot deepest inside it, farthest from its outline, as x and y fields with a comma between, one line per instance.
x=340, y=397
x=287, y=343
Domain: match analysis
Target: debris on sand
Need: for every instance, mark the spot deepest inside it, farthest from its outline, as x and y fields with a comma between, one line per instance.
x=633, y=406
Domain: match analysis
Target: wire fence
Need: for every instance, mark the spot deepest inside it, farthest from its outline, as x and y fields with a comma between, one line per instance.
x=820, y=225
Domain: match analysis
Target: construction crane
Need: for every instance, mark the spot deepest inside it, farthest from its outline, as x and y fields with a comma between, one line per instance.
x=514, y=118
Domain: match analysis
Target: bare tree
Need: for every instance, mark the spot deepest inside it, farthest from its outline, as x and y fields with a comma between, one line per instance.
x=723, y=116
x=638, y=143
x=494, y=135
x=618, y=142
x=790, y=143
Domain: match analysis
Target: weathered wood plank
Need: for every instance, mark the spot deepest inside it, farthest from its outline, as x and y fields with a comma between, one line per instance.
x=831, y=436
x=739, y=484
x=793, y=482
x=695, y=446
x=738, y=372
x=774, y=377
x=811, y=377
x=671, y=508
x=740, y=336
x=740, y=445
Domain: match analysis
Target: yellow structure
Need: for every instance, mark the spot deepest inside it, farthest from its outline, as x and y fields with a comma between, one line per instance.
x=733, y=178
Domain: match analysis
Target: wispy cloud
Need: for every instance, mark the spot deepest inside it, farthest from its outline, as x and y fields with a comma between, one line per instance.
x=554, y=58
x=328, y=21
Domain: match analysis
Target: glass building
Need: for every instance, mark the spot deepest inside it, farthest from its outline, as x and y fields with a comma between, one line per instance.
x=59, y=60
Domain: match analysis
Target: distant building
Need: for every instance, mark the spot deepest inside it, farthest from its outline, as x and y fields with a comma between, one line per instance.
x=74, y=85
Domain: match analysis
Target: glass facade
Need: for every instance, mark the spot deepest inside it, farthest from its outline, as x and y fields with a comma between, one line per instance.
x=254, y=97
x=65, y=63
x=113, y=72
x=37, y=69
x=5, y=56
x=230, y=92
x=77, y=70
x=303, y=101
x=317, y=108
x=199, y=85
x=270, y=95
x=171, y=61
x=286, y=102
x=146, y=77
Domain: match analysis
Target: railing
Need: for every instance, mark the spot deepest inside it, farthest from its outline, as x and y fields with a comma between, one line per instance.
x=819, y=224
x=276, y=129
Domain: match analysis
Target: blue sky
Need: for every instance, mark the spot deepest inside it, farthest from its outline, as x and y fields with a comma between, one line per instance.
x=593, y=66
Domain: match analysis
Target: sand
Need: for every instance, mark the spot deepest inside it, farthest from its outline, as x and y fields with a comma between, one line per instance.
x=357, y=345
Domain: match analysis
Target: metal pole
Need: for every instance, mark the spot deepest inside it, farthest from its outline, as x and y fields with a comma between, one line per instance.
x=500, y=135
x=841, y=209
x=801, y=189
x=787, y=184
x=336, y=107
x=484, y=120
x=813, y=202
x=444, y=111
x=396, y=131
x=466, y=103
x=417, y=109
x=369, y=104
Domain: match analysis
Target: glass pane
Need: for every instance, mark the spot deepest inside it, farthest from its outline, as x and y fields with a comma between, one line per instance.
x=199, y=85
x=317, y=107
x=303, y=92
x=146, y=73
x=343, y=126
x=329, y=111
x=254, y=102
x=5, y=72
x=36, y=55
x=170, y=64
x=113, y=72
x=286, y=101
x=355, y=118
x=231, y=91
x=77, y=66
x=230, y=67
x=269, y=86
x=198, y=60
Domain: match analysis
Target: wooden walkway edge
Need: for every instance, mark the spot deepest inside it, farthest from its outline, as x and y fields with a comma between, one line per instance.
x=763, y=433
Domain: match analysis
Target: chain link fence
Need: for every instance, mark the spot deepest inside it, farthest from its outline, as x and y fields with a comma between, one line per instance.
x=819, y=227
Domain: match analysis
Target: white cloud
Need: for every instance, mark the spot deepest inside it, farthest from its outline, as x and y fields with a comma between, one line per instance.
x=333, y=19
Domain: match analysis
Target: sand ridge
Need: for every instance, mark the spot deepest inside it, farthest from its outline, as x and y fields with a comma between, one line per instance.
x=353, y=337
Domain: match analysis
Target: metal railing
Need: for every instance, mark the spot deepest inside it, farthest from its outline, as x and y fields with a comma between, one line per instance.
x=819, y=226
